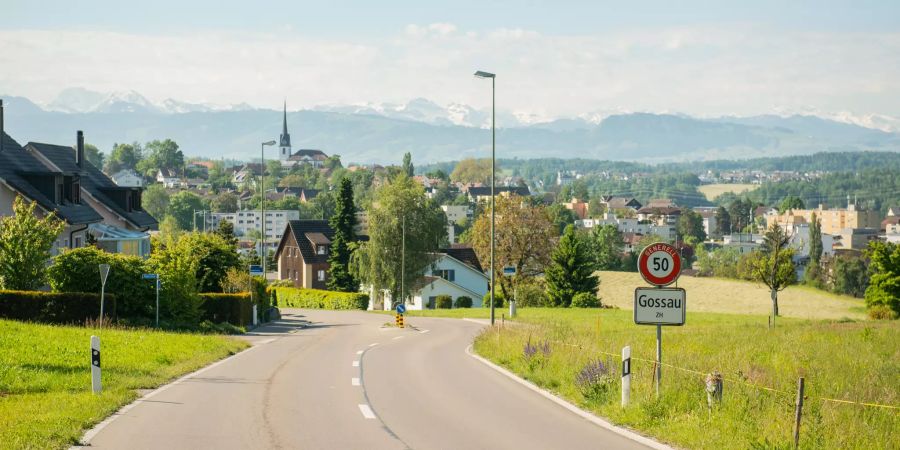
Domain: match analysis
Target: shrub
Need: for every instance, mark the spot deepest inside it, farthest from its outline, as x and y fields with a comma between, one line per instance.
x=55, y=307
x=882, y=312
x=235, y=309
x=320, y=299
x=219, y=328
x=530, y=293
x=585, y=300
x=463, y=302
x=594, y=380
x=498, y=299
x=443, y=302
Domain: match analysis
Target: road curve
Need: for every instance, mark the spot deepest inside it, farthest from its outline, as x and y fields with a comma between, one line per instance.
x=338, y=380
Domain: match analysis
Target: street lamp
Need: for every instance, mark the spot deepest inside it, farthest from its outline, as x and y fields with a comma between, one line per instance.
x=481, y=74
x=262, y=204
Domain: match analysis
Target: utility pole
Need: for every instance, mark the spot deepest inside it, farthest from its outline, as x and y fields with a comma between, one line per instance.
x=403, y=261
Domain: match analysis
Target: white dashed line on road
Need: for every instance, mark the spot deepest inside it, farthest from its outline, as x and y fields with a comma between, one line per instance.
x=355, y=363
x=424, y=331
x=397, y=337
x=354, y=381
x=373, y=344
x=366, y=411
x=359, y=352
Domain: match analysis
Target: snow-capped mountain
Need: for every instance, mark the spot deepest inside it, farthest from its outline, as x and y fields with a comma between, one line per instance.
x=81, y=100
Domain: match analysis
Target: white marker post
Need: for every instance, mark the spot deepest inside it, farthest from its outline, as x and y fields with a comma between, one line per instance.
x=95, y=365
x=626, y=375
x=255, y=319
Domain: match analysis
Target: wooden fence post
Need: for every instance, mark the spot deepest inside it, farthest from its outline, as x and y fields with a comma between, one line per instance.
x=799, y=413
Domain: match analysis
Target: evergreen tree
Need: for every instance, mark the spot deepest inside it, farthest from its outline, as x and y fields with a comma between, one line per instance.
x=723, y=222
x=408, y=167
x=226, y=231
x=571, y=271
x=815, y=240
x=341, y=278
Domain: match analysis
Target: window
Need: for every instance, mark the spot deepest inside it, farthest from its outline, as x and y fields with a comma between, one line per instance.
x=77, y=242
x=320, y=249
x=321, y=275
x=447, y=274
x=76, y=192
x=296, y=275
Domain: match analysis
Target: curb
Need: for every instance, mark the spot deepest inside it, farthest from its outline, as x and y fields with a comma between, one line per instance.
x=85, y=440
x=596, y=420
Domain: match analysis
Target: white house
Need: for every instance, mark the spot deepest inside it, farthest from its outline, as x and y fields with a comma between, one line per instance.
x=127, y=178
x=168, y=178
x=456, y=272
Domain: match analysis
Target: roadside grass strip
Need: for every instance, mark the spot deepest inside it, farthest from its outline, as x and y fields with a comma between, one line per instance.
x=851, y=369
x=45, y=383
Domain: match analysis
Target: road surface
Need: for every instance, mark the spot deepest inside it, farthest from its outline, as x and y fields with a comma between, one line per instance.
x=338, y=380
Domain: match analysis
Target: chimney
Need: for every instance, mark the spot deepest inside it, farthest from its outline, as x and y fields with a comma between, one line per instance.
x=79, y=150
x=2, y=131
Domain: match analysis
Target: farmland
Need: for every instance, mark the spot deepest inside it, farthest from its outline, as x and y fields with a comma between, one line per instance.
x=711, y=191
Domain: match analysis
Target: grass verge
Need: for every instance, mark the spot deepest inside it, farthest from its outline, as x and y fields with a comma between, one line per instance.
x=45, y=384
x=857, y=361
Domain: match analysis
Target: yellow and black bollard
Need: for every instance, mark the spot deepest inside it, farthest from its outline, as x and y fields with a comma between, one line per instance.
x=399, y=320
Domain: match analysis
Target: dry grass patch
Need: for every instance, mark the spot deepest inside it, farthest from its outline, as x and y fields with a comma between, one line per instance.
x=711, y=191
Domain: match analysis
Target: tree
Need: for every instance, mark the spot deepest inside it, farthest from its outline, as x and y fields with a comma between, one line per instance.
x=94, y=155
x=607, y=245
x=561, y=216
x=226, y=232
x=571, y=271
x=226, y=202
x=774, y=265
x=523, y=238
x=849, y=275
x=123, y=156
x=815, y=240
x=155, y=201
x=723, y=222
x=177, y=266
x=739, y=213
x=340, y=277
x=408, y=167
x=182, y=206
x=25, y=245
x=472, y=170
x=405, y=229
x=690, y=224
x=214, y=256
x=884, y=284
x=161, y=155
x=791, y=202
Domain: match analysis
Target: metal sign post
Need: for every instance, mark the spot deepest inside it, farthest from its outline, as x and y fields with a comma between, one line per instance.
x=510, y=271
x=660, y=265
x=104, y=272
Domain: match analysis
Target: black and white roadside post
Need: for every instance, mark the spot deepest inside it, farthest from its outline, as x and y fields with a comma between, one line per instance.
x=509, y=272
x=626, y=375
x=255, y=270
x=96, y=385
x=660, y=265
x=154, y=276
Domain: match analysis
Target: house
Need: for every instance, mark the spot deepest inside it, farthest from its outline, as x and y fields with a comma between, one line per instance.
x=168, y=178
x=800, y=242
x=246, y=174
x=613, y=203
x=710, y=221
x=855, y=238
x=247, y=221
x=660, y=215
x=127, y=178
x=483, y=193
x=564, y=178
x=455, y=271
x=302, y=253
x=579, y=207
x=59, y=179
x=833, y=221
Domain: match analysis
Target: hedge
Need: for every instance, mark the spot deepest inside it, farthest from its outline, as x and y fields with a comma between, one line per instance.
x=443, y=302
x=498, y=299
x=236, y=309
x=320, y=299
x=55, y=307
x=463, y=302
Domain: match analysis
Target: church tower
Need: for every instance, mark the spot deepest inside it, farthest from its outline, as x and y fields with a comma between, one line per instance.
x=285, y=140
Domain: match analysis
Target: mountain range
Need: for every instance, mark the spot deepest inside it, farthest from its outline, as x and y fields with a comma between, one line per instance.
x=380, y=133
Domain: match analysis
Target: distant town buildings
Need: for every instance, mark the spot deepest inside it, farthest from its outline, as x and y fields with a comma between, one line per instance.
x=247, y=221
x=315, y=158
x=127, y=178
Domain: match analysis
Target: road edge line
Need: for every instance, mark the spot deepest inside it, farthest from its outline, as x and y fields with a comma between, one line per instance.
x=85, y=440
x=591, y=417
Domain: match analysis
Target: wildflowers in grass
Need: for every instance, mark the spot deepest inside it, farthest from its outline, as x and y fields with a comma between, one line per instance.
x=594, y=380
x=536, y=354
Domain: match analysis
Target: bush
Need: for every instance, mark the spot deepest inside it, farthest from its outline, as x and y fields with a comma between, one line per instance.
x=219, y=328
x=55, y=307
x=530, y=293
x=882, y=312
x=443, y=302
x=463, y=302
x=235, y=309
x=320, y=299
x=585, y=300
x=498, y=299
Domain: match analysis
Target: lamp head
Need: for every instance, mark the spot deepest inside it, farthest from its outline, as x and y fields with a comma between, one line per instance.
x=482, y=74
x=269, y=143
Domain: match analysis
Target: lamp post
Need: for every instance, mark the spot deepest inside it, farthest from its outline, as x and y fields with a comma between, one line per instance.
x=264, y=253
x=481, y=74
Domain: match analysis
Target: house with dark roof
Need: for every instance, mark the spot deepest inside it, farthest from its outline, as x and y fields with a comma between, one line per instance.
x=302, y=253
x=483, y=193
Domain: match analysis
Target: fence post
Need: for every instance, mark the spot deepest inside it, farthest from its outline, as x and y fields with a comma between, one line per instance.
x=799, y=412
x=626, y=375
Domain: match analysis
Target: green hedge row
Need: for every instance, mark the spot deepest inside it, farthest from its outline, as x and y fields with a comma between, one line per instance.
x=55, y=307
x=319, y=299
x=236, y=309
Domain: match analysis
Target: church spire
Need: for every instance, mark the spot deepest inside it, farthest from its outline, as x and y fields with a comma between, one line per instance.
x=285, y=141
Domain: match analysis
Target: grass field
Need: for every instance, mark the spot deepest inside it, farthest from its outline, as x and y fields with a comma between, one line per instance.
x=857, y=361
x=45, y=384
x=711, y=191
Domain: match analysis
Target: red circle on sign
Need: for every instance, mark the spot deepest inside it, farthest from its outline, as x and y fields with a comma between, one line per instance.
x=663, y=268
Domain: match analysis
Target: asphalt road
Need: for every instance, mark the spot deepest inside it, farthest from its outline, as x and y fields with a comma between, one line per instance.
x=338, y=380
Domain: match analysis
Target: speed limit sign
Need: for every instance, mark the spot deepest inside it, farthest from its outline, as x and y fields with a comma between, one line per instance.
x=660, y=264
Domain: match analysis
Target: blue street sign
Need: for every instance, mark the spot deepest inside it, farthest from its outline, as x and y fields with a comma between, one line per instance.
x=150, y=276
x=256, y=269
x=401, y=309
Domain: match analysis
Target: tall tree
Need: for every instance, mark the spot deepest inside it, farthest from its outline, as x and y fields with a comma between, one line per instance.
x=571, y=271
x=124, y=156
x=472, y=170
x=690, y=224
x=225, y=230
x=884, y=284
x=182, y=207
x=849, y=275
x=815, y=240
x=408, y=167
x=226, y=202
x=774, y=265
x=791, y=202
x=341, y=278
x=161, y=155
x=155, y=201
x=405, y=229
x=94, y=155
x=607, y=246
x=739, y=212
x=723, y=222
x=25, y=245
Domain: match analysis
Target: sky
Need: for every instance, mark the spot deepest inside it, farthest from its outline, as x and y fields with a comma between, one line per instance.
x=552, y=58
